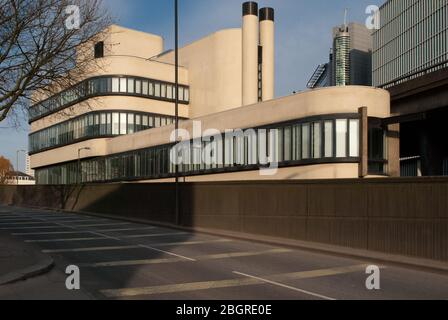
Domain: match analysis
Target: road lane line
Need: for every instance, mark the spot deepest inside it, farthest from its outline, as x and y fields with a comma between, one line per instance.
x=104, y=235
x=240, y=282
x=91, y=249
x=129, y=229
x=31, y=228
x=43, y=221
x=122, y=263
x=24, y=223
x=189, y=243
x=47, y=233
x=73, y=232
x=64, y=240
x=155, y=235
x=285, y=286
x=167, y=252
x=104, y=225
x=129, y=263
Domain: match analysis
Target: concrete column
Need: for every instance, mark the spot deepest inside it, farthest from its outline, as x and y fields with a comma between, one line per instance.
x=267, y=41
x=250, y=53
x=364, y=143
x=393, y=150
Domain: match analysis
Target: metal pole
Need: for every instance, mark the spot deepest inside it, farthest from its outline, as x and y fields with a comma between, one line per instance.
x=17, y=164
x=79, y=167
x=17, y=167
x=176, y=67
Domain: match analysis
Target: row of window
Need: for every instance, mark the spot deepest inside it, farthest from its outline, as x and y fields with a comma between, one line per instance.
x=95, y=125
x=141, y=87
x=413, y=38
x=323, y=141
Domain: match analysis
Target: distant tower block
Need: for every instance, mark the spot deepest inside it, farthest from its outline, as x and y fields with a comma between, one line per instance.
x=250, y=52
x=267, y=41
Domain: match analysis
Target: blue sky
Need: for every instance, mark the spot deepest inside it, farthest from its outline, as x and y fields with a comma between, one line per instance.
x=303, y=37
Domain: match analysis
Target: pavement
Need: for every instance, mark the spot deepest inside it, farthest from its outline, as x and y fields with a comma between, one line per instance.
x=130, y=260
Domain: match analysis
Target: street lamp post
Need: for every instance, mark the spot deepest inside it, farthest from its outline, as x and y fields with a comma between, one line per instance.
x=79, y=164
x=17, y=164
x=176, y=67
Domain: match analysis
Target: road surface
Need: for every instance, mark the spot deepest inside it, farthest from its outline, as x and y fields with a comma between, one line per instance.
x=124, y=260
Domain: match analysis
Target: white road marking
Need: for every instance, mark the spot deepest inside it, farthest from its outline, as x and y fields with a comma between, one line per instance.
x=47, y=233
x=91, y=249
x=64, y=240
x=285, y=286
x=155, y=235
x=128, y=229
x=140, y=262
x=31, y=228
x=104, y=225
x=167, y=252
x=240, y=282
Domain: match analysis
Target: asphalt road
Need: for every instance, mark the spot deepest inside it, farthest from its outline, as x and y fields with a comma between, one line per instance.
x=123, y=260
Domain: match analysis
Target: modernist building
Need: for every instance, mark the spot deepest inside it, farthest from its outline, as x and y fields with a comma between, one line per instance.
x=226, y=82
x=410, y=59
x=350, y=61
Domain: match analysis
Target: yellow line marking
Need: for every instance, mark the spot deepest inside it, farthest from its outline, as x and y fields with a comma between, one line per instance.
x=207, y=285
x=199, y=258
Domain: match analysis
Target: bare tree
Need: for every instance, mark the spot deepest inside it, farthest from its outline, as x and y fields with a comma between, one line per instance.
x=5, y=169
x=44, y=48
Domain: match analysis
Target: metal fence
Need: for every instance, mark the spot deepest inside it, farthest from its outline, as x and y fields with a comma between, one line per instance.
x=411, y=167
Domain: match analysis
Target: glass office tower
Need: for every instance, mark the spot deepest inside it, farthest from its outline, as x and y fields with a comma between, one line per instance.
x=412, y=40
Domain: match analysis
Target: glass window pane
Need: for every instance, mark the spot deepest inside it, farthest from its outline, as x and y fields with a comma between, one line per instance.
x=145, y=88
x=341, y=138
x=157, y=90
x=115, y=84
x=130, y=123
x=138, y=86
x=354, y=138
x=306, y=141
x=329, y=139
x=115, y=123
x=163, y=91
x=145, y=121
x=123, y=127
x=123, y=85
x=317, y=140
x=131, y=88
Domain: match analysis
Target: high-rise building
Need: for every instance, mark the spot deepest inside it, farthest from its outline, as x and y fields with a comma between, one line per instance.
x=350, y=61
x=28, y=169
x=410, y=59
x=412, y=41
